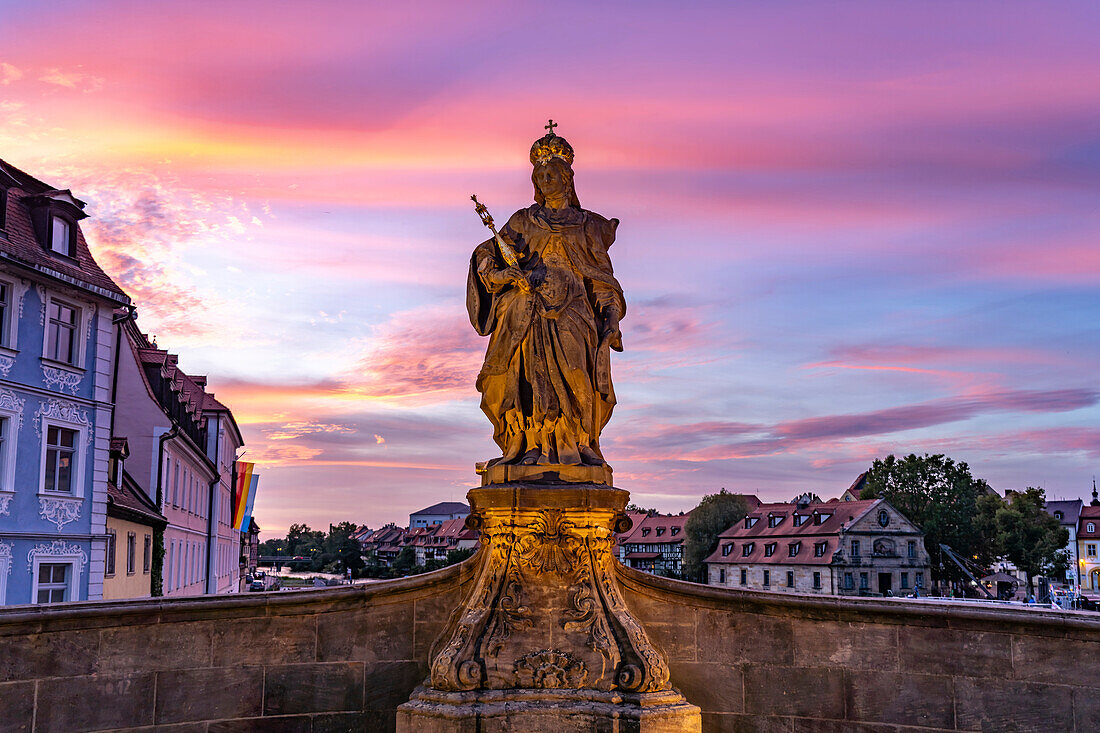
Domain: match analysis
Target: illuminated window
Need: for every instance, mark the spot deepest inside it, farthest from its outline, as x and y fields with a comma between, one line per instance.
x=60, y=454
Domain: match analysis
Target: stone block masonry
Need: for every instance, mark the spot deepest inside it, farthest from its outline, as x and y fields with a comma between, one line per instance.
x=336, y=660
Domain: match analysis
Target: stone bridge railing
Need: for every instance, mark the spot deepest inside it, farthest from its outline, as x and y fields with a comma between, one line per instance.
x=343, y=659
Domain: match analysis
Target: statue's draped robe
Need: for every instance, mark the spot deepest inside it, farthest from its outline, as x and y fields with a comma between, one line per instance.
x=547, y=375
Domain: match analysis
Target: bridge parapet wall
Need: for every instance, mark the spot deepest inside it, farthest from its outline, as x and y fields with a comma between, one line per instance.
x=321, y=661
x=777, y=662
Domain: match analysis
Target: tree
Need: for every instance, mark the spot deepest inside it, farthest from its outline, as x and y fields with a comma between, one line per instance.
x=715, y=514
x=942, y=498
x=405, y=562
x=632, y=507
x=1029, y=537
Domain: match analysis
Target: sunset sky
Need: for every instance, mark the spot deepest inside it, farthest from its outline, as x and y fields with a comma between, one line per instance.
x=848, y=228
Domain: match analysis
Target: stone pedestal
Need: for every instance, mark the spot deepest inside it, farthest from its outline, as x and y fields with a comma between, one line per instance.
x=544, y=636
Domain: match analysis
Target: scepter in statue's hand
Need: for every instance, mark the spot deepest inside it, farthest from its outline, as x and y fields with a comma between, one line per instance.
x=506, y=250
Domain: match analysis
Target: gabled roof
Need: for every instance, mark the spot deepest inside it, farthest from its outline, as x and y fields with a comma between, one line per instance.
x=444, y=507
x=22, y=247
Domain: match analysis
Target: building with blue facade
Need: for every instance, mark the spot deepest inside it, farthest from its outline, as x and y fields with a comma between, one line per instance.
x=57, y=361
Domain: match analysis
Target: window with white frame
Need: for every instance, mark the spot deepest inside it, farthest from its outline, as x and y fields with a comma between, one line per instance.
x=62, y=332
x=60, y=459
x=61, y=236
x=5, y=313
x=5, y=455
x=5, y=567
x=1090, y=527
x=53, y=583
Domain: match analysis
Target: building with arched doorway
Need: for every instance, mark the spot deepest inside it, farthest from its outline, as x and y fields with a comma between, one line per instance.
x=1088, y=548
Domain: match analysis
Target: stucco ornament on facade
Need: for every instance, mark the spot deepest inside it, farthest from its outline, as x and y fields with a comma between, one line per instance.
x=12, y=403
x=6, y=553
x=59, y=510
x=6, y=363
x=61, y=378
x=58, y=548
x=5, y=502
x=65, y=412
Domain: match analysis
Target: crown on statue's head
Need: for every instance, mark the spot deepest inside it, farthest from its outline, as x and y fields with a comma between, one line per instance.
x=551, y=146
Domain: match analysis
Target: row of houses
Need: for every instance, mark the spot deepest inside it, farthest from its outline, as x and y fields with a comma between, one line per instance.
x=432, y=533
x=117, y=468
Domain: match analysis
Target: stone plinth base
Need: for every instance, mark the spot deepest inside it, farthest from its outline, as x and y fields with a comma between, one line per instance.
x=503, y=473
x=547, y=711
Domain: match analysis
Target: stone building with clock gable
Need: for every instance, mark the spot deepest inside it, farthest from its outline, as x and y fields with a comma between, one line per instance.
x=860, y=547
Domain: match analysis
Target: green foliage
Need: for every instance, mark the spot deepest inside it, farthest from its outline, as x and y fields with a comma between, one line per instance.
x=1024, y=533
x=158, y=562
x=632, y=507
x=942, y=498
x=405, y=562
x=715, y=514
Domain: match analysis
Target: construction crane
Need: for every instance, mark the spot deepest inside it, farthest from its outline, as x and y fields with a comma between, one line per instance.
x=965, y=565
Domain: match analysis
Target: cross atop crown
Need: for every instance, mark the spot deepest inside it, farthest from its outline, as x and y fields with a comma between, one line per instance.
x=549, y=126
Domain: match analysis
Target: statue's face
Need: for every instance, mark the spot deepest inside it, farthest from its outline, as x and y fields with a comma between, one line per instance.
x=554, y=180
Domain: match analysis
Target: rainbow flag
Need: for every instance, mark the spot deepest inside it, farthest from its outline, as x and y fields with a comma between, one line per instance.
x=242, y=490
x=251, y=500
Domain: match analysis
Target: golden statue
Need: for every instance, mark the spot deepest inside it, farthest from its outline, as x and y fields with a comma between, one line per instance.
x=552, y=317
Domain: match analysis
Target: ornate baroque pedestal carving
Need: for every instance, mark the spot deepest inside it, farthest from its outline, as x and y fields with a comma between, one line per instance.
x=544, y=640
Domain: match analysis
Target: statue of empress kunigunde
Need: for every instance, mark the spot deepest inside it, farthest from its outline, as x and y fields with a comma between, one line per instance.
x=551, y=320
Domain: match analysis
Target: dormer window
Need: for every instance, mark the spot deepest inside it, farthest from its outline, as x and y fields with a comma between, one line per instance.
x=819, y=549
x=799, y=519
x=1090, y=527
x=775, y=521
x=821, y=518
x=61, y=236
x=660, y=531
x=746, y=549
x=727, y=549
x=1058, y=516
x=675, y=531
x=793, y=548
x=769, y=549
x=749, y=521
x=645, y=531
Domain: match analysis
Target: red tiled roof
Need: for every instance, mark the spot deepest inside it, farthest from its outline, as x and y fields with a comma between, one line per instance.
x=785, y=533
x=22, y=244
x=1089, y=513
x=671, y=528
x=642, y=555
